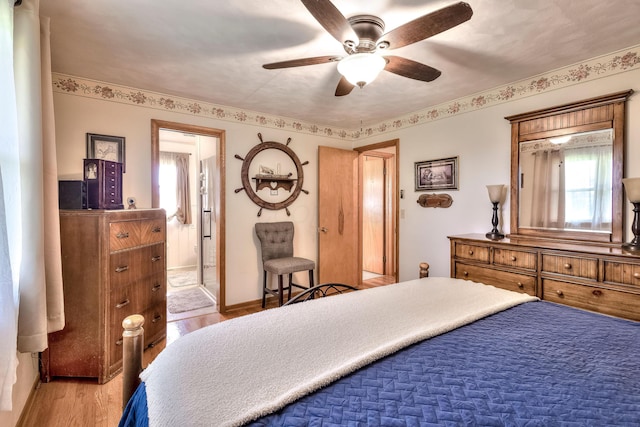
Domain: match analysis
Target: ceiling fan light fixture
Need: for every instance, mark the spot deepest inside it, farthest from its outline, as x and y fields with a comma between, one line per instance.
x=560, y=139
x=361, y=68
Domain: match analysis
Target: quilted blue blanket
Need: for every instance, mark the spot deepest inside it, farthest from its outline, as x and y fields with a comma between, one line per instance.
x=536, y=364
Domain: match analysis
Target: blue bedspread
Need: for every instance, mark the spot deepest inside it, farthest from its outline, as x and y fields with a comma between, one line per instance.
x=537, y=364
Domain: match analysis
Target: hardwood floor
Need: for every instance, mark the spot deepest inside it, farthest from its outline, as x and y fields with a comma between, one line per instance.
x=77, y=402
x=378, y=281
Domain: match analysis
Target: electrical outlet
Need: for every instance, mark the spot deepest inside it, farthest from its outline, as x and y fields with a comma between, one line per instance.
x=274, y=192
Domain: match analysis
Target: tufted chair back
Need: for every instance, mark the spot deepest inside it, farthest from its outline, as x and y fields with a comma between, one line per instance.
x=276, y=239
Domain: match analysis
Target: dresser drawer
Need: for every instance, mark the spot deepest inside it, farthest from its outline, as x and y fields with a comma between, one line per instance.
x=574, y=266
x=123, y=235
x=125, y=268
x=152, y=231
x=500, y=279
x=622, y=273
x=472, y=252
x=511, y=258
x=153, y=289
x=123, y=302
x=607, y=301
x=155, y=323
x=152, y=260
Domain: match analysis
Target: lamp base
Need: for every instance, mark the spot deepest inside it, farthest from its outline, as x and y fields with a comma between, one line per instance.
x=631, y=247
x=494, y=236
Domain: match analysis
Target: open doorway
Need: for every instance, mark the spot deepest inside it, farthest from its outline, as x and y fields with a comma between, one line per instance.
x=188, y=182
x=378, y=220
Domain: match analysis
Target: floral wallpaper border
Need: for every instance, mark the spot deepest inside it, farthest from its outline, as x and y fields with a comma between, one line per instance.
x=603, y=66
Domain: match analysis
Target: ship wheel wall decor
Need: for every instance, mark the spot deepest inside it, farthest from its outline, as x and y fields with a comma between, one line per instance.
x=268, y=180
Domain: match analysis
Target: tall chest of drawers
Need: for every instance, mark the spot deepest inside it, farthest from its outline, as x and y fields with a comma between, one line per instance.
x=113, y=265
x=598, y=278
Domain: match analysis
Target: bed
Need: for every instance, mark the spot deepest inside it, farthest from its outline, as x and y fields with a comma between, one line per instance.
x=433, y=351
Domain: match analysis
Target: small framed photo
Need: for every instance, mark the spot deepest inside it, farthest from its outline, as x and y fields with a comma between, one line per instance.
x=106, y=147
x=434, y=175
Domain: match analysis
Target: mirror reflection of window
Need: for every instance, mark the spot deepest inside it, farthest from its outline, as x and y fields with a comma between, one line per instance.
x=565, y=183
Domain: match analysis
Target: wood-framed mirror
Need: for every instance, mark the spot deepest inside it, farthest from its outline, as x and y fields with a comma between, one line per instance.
x=567, y=164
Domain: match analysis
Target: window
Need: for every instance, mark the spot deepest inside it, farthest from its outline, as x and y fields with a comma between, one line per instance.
x=588, y=187
x=168, y=183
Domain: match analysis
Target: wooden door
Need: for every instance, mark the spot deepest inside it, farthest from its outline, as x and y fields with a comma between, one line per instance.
x=373, y=214
x=338, y=257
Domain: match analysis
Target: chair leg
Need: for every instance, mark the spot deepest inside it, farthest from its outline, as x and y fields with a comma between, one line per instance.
x=290, y=285
x=280, y=290
x=264, y=288
x=310, y=278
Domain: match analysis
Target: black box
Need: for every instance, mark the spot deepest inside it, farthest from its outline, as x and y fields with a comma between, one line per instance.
x=72, y=195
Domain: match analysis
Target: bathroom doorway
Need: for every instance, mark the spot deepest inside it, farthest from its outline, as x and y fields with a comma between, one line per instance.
x=193, y=237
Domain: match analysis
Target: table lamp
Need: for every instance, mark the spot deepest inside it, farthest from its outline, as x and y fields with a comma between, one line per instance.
x=495, y=195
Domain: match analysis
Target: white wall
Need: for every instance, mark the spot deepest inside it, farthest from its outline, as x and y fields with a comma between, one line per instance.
x=480, y=138
x=482, y=141
x=76, y=115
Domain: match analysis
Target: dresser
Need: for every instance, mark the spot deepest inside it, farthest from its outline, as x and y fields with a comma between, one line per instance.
x=600, y=278
x=113, y=265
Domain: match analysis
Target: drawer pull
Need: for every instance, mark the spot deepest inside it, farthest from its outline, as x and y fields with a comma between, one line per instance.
x=567, y=266
x=157, y=318
x=597, y=292
x=156, y=229
x=156, y=287
x=156, y=258
x=560, y=293
x=470, y=252
x=513, y=258
x=636, y=275
x=520, y=285
x=122, y=268
x=122, y=235
x=123, y=303
x=465, y=273
x=119, y=342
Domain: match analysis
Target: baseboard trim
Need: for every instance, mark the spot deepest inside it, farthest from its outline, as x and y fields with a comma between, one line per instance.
x=29, y=403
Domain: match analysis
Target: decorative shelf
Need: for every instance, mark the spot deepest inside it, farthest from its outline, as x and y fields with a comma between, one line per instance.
x=274, y=182
x=271, y=180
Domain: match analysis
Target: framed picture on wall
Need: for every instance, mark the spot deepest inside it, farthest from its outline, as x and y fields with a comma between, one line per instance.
x=434, y=175
x=106, y=147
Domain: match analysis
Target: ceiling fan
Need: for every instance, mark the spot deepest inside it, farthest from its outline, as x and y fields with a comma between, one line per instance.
x=364, y=40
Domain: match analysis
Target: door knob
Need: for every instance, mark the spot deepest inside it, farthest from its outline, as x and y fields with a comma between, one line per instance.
x=323, y=229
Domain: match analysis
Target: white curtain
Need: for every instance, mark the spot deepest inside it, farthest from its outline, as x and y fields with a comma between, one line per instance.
x=30, y=277
x=548, y=189
x=183, y=193
x=588, y=187
x=175, y=194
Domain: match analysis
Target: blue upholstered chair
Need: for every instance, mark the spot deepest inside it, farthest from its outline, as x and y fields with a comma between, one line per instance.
x=276, y=241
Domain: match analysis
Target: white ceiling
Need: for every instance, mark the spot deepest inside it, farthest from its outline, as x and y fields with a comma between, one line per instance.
x=213, y=50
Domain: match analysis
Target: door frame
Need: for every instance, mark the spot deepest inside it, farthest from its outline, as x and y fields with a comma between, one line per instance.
x=394, y=200
x=220, y=175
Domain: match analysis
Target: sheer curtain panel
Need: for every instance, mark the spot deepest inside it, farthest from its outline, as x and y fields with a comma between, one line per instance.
x=32, y=285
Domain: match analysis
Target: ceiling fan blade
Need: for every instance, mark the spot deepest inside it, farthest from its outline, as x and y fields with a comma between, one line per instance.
x=301, y=62
x=331, y=19
x=428, y=25
x=414, y=70
x=344, y=87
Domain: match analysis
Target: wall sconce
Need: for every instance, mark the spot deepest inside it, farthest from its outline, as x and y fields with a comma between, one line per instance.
x=632, y=188
x=495, y=195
